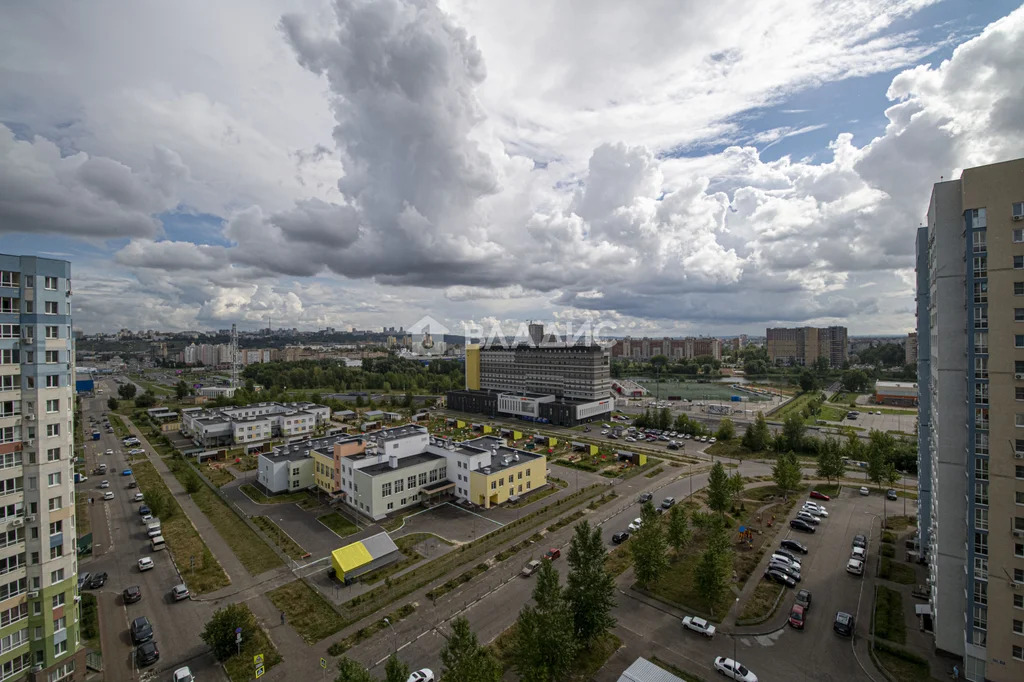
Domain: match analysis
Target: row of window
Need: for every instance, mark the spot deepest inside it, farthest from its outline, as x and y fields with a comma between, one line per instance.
x=500, y=483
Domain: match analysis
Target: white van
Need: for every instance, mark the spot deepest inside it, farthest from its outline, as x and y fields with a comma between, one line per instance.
x=153, y=529
x=157, y=543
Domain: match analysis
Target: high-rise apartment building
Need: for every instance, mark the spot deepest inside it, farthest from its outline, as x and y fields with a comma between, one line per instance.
x=804, y=345
x=674, y=349
x=39, y=604
x=970, y=326
x=910, y=349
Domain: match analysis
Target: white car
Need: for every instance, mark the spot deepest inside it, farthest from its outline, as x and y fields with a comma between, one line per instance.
x=864, y=491
x=635, y=526
x=424, y=675
x=183, y=675
x=859, y=553
x=138, y=497
x=782, y=558
x=855, y=566
x=136, y=451
x=699, y=625
x=734, y=670
x=108, y=452
x=630, y=439
x=711, y=440
x=145, y=563
x=104, y=484
x=108, y=495
x=146, y=518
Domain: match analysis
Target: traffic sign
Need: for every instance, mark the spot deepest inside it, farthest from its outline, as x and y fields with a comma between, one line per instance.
x=257, y=660
x=259, y=672
x=323, y=663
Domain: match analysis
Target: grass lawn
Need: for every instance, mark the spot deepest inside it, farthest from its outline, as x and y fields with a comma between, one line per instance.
x=763, y=602
x=249, y=547
x=655, y=472
x=219, y=476
x=830, y=489
x=898, y=523
x=82, y=523
x=254, y=494
x=405, y=544
x=889, y=621
x=90, y=626
x=678, y=586
x=183, y=541
x=280, y=538
x=897, y=572
x=796, y=405
x=239, y=667
x=588, y=661
x=687, y=677
x=120, y=430
x=362, y=634
x=901, y=666
x=306, y=611
x=535, y=497
x=338, y=523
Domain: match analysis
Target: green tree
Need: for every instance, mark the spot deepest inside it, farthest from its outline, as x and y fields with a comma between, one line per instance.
x=648, y=547
x=181, y=389
x=219, y=632
x=350, y=671
x=112, y=403
x=664, y=419
x=464, y=660
x=830, y=460
x=726, y=430
x=792, y=436
x=786, y=473
x=126, y=391
x=757, y=437
x=880, y=451
x=395, y=670
x=712, y=571
x=545, y=643
x=590, y=588
x=735, y=489
x=718, y=489
x=853, y=449
x=159, y=505
x=679, y=533
x=192, y=483
x=145, y=400
x=855, y=381
x=889, y=475
x=807, y=381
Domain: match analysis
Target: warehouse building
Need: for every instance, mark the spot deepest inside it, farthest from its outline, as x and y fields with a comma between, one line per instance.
x=900, y=393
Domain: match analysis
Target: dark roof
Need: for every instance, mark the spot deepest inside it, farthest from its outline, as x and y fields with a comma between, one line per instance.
x=404, y=462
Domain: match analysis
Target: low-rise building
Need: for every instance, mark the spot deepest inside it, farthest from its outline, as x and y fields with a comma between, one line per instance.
x=903, y=393
x=252, y=423
x=363, y=556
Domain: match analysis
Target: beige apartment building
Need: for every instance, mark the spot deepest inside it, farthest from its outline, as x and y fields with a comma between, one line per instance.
x=803, y=346
x=970, y=267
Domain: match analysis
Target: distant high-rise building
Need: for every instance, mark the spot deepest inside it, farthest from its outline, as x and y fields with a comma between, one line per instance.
x=536, y=333
x=675, y=349
x=910, y=350
x=970, y=284
x=39, y=589
x=804, y=345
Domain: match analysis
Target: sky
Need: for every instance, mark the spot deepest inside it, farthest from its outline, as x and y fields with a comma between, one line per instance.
x=656, y=168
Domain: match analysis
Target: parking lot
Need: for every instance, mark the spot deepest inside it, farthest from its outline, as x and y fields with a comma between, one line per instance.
x=903, y=423
x=119, y=540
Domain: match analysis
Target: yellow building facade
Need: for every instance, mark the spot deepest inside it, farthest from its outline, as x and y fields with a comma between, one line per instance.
x=495, y=488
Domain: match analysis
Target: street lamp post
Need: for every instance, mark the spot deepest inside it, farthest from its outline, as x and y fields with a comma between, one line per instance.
x=735, y=636
x=394, y=634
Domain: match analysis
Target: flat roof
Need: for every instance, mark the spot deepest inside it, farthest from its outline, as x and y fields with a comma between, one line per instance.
x=643, y=670
x=300, y=449
x=498, y=456
x=403, y=463
x=895, y=384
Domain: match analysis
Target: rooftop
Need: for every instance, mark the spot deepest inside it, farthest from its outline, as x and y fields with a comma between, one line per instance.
x=300, y=450
x=403, y=463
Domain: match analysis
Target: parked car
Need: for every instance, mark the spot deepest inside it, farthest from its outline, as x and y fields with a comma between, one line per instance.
x=620, y=537
x=792, y=571
x=793, y=546
x=808, y=517
x=635, y=526
x=785, y=557
x=855, y=566
x=133, y=484
x=820, y=496
x=860, y=541
x=423, y=675
x=712, y=439
x=104, y=484
x=779, y=577
x=797, y=617
x=97, y=580
x=890, y=494
x=141, y=630
x=147, y=654
x=183, y=675
x=131, y=594
x=734, y=670
x=126, y=472
x=645, y=497
x=801, y=525
x=138, y=497
x=108, y=452
x=864, y=491
x=668, y=502
x=552, y=554
x=146, y=518
x=179, y=592
x=530, y=568
x=803, y=598
x=699, y=625
x=108, y=495
x=859, y=553
x=843, y=624
x=786, y=553
x=143, y=510
x=145, y=563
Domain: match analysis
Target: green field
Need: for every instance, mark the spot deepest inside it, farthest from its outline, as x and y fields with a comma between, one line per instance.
x=693, y=390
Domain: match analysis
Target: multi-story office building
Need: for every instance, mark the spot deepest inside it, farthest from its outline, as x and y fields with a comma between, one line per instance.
x=675, y=349
x=804, y=345
x=39, y=635
x=970, y=262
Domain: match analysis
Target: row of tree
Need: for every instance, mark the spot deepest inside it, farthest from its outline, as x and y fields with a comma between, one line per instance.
x=389, y=373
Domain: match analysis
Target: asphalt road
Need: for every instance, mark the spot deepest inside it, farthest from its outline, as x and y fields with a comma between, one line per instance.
x=119, y=540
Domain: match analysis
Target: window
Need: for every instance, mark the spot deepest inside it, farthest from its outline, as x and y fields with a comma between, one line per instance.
x=980, y=592
x=385, y=490
x=11, y=331
x=1017, y=210
x=976, y=215
x=53, y=356
x=1018, y=601
x=1018, y=627
x=1018, y=652
x=981, y=468
x=1018, y=340
x=981, y=493
x=979, y=241
x=1018, y=262
x=50, y=307
x=9, y=356
x=60, y=648
x=57, y=551
x=1018, y=575
x=494, y=485
x=399, y=485
x=53, y=405
x=51, y=332
x=410, y=482
x=52, y=430
x=56, y=503
x=53, y=479
x=433, y=475
x=52, y=381
x=9, y=279
x=1018, y=288
x=56, y=527
x=981, y=519
x=51, y=282
x=981, y=544
x=423, y=478
x=52, y=454
x=13, y=615
x=1018, y=236
x=980, y=266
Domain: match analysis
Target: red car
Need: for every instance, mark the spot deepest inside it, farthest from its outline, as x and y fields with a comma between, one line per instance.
x=820, y=496
x=796, y=617
x=553, y=554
